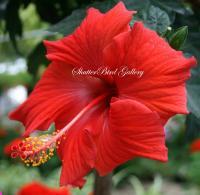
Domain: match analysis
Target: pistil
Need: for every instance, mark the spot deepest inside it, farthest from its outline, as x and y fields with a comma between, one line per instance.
x=37, y=150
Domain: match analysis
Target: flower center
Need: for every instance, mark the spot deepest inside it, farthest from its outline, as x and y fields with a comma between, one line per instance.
x=37, y=150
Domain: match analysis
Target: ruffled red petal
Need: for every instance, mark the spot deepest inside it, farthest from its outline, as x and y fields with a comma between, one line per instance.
x=78, y=150
x=162, y=85
x=78, y=154
x=133, y=130
x=84, y=47
x=40, y=189
x=58, y=97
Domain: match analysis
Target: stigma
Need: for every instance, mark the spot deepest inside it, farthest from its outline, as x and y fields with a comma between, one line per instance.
x=35, y=150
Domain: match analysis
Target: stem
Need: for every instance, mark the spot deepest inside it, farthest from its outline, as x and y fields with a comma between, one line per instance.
x=103, y=184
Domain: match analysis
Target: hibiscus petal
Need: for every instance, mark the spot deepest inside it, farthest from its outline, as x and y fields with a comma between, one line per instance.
x=58, y=97
x=78, y=154
x=34, y=188
x=133, y=130
x=84, y=47
x=78, y=150
x=162, y=86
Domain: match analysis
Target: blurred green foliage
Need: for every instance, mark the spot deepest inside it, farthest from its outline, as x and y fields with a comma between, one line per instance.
x=154, y=189
x=8, y=80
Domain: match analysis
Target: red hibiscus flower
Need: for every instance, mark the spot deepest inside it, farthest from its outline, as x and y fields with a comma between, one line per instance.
x=9, y=147
x=105, y=119
x=195, y=146
x=36, y=188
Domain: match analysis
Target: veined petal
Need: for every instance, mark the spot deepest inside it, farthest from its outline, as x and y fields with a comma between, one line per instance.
x=78, y=154
x=78, y=149
x=162, y=85
x=132, y=130
x=84, y=47
x=58, y=97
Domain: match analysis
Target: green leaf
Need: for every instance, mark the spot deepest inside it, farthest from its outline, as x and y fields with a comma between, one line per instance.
x=178, y=38
x=193, y=45
x=104, y=6
x=120, y=176
x=172, y=5
x=137, y=5
x=67, y=25
x=192, y=127
x=36, y=58
x=137, y=185
x=2, y=8
x=193, y=173
x=13, y=22
x=9, y=80
x=156, y=187
x=193, y=91
x=156, y=19
x=153, y=189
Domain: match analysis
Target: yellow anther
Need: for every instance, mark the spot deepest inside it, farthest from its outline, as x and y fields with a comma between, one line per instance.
x=38, y=149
